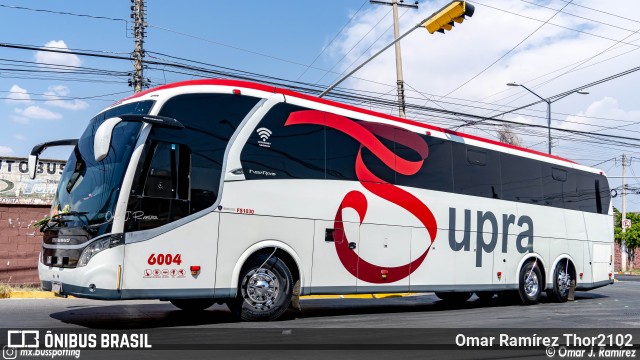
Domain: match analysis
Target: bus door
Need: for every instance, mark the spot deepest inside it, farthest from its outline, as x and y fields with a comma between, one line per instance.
x=160, y=250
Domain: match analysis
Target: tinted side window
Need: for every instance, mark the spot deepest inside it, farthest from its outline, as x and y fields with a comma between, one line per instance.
x=168, y=175
x=276, y=151
x=586, y=192
x=436, y=172
x=342, y=150
x=386, y=134
x=556, y=188
x=210, y=120
x=603, y=194
x=476, y=171
x=521, y=179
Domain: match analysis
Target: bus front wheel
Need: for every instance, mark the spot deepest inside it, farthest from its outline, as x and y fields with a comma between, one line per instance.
x=192, y=304
x=530, y=285
x=265, y=289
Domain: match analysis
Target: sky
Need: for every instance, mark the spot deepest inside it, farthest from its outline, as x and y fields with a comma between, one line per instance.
x=549, y=46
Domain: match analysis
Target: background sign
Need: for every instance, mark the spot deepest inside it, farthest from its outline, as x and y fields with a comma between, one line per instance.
x=17, y=188
x=626, y=223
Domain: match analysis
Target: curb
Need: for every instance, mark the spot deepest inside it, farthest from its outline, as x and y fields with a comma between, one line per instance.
x=32, y=295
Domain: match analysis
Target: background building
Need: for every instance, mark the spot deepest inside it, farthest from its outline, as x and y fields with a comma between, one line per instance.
x=23, y=202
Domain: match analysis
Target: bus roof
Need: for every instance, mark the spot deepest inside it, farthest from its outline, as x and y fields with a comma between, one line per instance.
x=273, y=89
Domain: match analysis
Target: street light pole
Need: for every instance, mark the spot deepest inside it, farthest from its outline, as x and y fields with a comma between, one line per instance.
x=548, y=101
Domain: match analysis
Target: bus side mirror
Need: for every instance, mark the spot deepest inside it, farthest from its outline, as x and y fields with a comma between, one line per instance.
x=33, y=161
x=102, y=139
x=38, y=149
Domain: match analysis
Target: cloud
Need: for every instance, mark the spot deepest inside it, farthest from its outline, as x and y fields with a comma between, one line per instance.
x=45, y=58
x=6, y=151
x=38, y=113
x=19, y=119
x=18, y=95
x=608, y=113
x=54, y=94
x=19, y=137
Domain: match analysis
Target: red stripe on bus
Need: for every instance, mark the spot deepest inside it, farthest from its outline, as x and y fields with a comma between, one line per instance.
x=357, y=266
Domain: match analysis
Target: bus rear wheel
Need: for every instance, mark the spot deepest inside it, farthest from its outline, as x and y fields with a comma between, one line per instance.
x=457, y=297
x=192, y=304
x=265, y=289
x=561, y=282
x=530, y=285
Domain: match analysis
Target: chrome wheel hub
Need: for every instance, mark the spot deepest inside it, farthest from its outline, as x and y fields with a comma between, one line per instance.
x=531, y=284
x=564, y=282
x=261, y=289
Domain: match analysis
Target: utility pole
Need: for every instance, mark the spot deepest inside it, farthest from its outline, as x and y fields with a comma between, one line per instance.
x=623, y=246
x=139, y=25
x=396, y=34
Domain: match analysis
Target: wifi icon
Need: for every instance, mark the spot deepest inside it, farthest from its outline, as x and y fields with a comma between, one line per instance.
x=264, y=133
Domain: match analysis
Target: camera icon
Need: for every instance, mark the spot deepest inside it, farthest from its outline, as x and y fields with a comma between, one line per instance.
x=9, y=353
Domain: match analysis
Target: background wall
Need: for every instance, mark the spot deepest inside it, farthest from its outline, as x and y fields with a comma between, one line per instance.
x=20, y=243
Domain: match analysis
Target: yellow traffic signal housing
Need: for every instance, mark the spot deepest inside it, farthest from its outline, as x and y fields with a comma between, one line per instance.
x=445, y=18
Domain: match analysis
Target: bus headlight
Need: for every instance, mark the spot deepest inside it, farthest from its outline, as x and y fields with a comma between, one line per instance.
x=98, y=246
x=93, y=248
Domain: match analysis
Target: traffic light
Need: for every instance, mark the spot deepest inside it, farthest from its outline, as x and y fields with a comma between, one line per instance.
x=445, y=18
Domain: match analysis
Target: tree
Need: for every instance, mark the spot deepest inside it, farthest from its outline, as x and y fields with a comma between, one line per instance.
x=631, y=236
x=506, y=135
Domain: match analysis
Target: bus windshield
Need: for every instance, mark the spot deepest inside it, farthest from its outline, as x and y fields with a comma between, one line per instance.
x=88, y=190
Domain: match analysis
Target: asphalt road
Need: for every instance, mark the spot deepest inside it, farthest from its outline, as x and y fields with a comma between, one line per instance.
x=614, y=306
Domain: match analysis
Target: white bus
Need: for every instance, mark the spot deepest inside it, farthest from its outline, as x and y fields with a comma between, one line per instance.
x=227, y=191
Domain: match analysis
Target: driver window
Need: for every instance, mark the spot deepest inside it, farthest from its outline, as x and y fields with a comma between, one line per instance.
x=163, y=187
x=168, y=172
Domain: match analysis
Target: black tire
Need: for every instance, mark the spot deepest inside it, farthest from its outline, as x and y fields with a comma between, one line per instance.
x=192, y=304
x=530, y=284
x=263, y=295
x=485, y=295
x=457, y=297
x=562, y=276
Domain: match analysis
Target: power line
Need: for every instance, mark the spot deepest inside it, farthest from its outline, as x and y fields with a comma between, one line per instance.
x=332, y=40
x=550, y=23
x=604, y=12
x=508, y=52
x=577, y=16
x=353, y=47
x=311, y=88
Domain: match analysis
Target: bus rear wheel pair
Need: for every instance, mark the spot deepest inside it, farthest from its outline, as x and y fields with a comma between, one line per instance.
x=531, y=282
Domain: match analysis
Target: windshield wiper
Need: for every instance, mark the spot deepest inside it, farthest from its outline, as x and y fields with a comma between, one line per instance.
x=58, y=219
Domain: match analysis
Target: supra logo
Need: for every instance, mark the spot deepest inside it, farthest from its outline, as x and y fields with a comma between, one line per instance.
x=264, y=134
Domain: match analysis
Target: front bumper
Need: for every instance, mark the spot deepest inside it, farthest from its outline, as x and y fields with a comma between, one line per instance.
x=100, y=279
